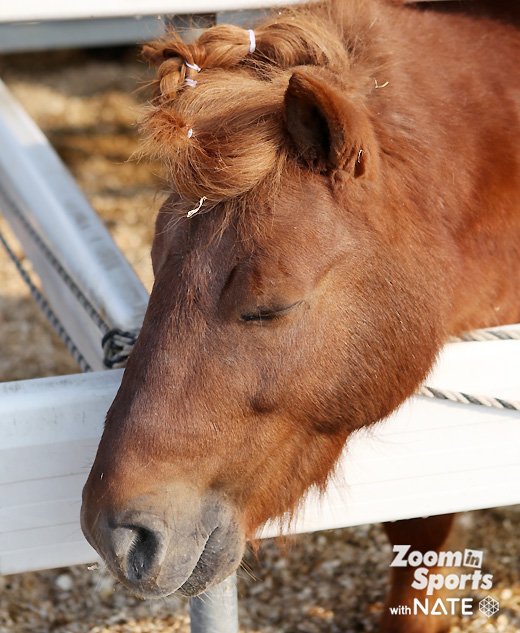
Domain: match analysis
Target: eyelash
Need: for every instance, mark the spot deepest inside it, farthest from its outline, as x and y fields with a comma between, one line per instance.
x=262, y=315
x=266, y=314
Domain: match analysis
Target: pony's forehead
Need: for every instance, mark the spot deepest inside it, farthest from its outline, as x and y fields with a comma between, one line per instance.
x=262, y=222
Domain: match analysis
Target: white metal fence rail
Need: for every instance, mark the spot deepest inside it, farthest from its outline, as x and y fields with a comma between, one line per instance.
x=431, y=457
x=63, y=237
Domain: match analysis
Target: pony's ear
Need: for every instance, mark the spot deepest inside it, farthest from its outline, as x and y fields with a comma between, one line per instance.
x=326, y=128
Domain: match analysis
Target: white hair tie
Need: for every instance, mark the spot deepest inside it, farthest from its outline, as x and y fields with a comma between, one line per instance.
x=188, y=81
x=194, y=211
x=192, y=66
x=252, y=41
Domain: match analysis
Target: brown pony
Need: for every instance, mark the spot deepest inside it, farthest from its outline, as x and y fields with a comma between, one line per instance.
x=352, y=172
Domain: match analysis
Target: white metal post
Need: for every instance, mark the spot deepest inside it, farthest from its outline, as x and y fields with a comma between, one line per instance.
x=216, y=611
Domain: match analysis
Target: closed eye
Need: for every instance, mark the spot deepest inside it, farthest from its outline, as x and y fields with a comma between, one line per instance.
x=268, y=313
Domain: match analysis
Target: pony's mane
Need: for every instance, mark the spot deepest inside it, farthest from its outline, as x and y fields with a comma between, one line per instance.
x=224, y=136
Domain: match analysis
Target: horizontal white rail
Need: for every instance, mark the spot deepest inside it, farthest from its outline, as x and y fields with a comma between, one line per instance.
x=31, y=10
x=32, y=26
x=429, y=458
x=108, y=24
x=55, y=34
x=34, y=10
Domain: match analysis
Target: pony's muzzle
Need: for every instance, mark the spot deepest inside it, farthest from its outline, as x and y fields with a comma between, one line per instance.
x=155, y=555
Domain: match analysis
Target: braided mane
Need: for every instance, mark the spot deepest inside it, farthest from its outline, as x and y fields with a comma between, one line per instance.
x=225, y=136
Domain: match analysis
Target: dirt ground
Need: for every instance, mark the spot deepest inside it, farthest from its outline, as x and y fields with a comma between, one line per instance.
x=87, y=103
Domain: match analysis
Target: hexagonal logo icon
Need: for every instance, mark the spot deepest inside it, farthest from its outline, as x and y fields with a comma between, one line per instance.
x=489, y=606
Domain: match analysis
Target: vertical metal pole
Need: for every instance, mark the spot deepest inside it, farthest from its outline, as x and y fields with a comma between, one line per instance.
x=216, y=611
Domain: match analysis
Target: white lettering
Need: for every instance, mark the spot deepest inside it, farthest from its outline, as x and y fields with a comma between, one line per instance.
x=466, y=606
x=423, y=606
x=415, y=559
x=420, y=578
x=453, y=602
x=430, y=558
x=439, y=604
x=400, y=560
x=487, y=582
x=452, y=582
x=450, y=559
x=435, y=582
x=464, y=579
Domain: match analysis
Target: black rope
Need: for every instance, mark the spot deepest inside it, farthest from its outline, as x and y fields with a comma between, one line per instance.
x=55, y=263
x=117, y=345
x=46, y=309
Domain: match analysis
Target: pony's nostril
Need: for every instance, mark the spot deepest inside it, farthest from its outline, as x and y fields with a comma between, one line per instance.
x=142, y=554
x=135, y=545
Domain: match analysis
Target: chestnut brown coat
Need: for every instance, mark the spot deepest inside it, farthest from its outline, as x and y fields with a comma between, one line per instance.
x=358, y=180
